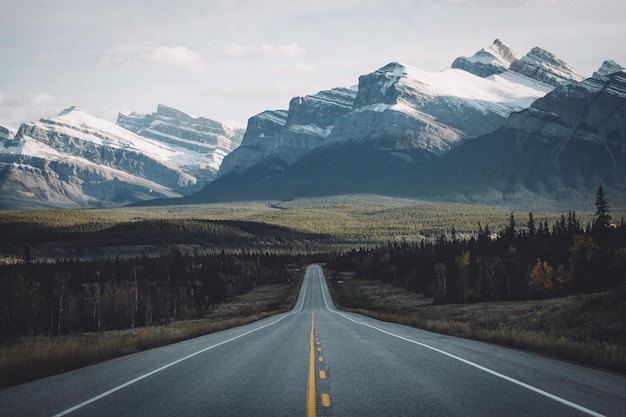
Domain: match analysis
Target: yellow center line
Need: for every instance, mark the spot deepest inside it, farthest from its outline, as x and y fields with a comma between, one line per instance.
x=310, y=401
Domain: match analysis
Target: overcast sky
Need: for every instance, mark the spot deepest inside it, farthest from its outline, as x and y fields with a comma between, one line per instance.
x=231, y=59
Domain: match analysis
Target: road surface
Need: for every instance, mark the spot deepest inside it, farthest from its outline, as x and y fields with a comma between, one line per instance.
x=317, y=360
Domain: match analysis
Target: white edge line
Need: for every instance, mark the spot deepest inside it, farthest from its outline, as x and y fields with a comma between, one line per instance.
x=144, y=376
x=475, y=365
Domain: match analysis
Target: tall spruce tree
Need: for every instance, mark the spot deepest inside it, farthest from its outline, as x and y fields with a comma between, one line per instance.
x=602, y=217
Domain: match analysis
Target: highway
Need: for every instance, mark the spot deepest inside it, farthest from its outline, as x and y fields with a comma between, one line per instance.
x=317, y=360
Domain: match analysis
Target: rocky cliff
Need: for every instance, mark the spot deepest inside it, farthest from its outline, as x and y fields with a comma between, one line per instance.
x=208, y=138
x=284, y=136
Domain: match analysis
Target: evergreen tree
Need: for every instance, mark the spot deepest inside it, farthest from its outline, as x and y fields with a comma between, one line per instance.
x=531, y=225
x=602, y=217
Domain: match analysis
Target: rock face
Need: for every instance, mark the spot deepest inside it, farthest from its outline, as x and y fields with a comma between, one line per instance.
x=397, y=107
x=284, y=136
x=538, y=64
x=561, y=147
x=550, y=155
x=495, y=59
x=76, y=160
x=402, y=107
x=543, y=66
x=209, y=139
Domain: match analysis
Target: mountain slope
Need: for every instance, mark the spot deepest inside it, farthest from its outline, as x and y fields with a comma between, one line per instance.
x=76, y=160
x=560, y=148
x=399, y=106
x=401, y=118
x=207, y=140
x=284, y=136
x=550, y=156
x=403, y=108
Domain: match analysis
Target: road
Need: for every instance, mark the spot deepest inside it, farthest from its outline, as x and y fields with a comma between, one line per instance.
x=317, y=360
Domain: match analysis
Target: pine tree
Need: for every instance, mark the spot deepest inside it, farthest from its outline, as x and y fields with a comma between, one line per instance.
x=531, y=225
x=602, y=217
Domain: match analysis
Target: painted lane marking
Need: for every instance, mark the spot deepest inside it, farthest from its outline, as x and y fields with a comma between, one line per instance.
x=310, y=391
x=322, y=374
x=296, y=309
x=325, y=400
x=470, y=363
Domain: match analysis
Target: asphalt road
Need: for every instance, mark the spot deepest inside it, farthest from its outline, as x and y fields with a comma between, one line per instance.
x=316, y=360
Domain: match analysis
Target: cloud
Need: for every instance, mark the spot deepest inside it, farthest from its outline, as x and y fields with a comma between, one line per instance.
x=292, y=50
x=175, y=55
x=34, y=99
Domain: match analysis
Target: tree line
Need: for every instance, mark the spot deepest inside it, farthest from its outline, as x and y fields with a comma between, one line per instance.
x=65, y=296
x=522, y=261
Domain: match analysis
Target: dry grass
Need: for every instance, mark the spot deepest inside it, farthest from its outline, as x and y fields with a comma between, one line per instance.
x=30, y=358
x=589, y=329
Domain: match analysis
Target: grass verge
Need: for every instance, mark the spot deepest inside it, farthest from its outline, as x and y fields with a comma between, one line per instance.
x=587, y=328
x=30, y=358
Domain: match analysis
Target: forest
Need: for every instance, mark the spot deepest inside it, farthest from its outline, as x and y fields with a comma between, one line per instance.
x=198, y=263
x=526, y=260
x=67, y=296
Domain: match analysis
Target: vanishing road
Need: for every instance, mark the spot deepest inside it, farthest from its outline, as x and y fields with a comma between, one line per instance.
x=316, y=360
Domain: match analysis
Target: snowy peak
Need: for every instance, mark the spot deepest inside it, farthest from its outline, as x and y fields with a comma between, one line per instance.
x=544, y=66
x=77, y=160
x=201, y=143
x=399, y=106
x=285, y=136
x=538, y=64
x=608, y=67
x=6, y=133
x=488, y=61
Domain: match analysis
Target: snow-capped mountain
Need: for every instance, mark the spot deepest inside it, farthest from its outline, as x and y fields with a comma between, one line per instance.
x=77, y=160
x=286, y=135
x=503, y=138
x=400, y=107
x=558, y=149
x=203, y=142
x=495, y=59
x=538, y=64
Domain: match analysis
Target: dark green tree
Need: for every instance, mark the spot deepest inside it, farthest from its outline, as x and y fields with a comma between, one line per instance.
x=602, y=217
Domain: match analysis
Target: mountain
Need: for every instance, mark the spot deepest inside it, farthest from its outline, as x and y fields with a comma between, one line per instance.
x=549, y=154
x=77, y=160
x=208, y=140
x=495, y=59
x=402, y=107
x=400, y=117
x=538, y=64
x=284, y=136
x=558, y=150
x=395, y=107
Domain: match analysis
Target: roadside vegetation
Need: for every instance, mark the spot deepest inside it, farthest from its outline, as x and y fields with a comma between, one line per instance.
x=585, y=328
x=79, y=286
x=26, y=358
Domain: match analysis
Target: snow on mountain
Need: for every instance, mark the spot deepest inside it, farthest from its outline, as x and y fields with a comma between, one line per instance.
x=74, y=159
x=6, y=133
x=402, y=106
x=538, y=64
x=544, y=66
x=495, y=59
x=201, y=143
x=608, y=67
x=284, y=136
x=395, y=107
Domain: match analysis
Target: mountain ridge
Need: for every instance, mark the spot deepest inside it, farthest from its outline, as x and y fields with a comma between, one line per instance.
x=75, y=160
x=451, y=135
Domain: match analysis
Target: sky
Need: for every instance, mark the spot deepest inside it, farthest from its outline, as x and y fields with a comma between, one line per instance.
x=228, y=60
